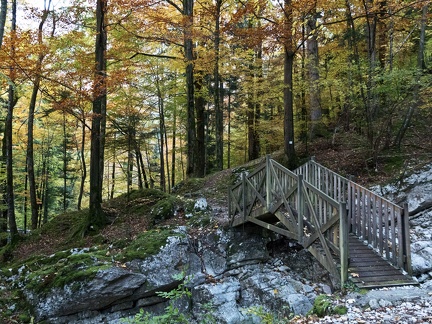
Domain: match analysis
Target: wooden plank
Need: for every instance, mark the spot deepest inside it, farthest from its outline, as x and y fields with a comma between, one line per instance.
x=274, y=228
x=287, y=222
x=324, y=228
x=327, y=262
x=393, y=237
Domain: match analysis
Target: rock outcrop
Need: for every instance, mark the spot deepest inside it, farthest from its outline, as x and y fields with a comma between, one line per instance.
x=228, y=272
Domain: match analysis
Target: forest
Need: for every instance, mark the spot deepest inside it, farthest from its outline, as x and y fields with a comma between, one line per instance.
x=101, y=97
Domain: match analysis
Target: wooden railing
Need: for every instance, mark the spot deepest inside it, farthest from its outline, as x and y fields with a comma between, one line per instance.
x=318, y=208
x=304, y=213
x=382, y=224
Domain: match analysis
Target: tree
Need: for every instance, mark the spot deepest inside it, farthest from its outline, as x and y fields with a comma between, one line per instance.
x=3, y=220
x=313, y=65
x=96, y=215
x=8, y=146
x=3, y=15
x=30, y=123
x=289, y=53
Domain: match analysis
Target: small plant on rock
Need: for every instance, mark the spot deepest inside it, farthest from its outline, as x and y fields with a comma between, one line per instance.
x=172, y=313
x=324, y=305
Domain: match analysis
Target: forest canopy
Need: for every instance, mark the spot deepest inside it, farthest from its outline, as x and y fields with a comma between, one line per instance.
x=100, y=97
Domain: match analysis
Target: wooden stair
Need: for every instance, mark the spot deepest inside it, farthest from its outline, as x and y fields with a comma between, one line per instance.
x=369, y=270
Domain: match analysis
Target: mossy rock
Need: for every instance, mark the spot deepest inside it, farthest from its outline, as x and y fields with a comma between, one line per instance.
x=191, y=185
x=146, y=244
x=41, y=274
x=164, y=209
x=324, y=305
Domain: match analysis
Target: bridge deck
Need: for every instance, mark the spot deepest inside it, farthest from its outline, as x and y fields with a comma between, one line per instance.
x=369, y=270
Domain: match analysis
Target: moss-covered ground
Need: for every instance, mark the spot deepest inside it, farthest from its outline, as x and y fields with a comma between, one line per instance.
x=57, y=254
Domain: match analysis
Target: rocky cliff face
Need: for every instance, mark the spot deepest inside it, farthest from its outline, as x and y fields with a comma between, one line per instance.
x=228, y=273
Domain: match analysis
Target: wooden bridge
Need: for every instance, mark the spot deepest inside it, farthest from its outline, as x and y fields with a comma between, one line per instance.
x=355, y=234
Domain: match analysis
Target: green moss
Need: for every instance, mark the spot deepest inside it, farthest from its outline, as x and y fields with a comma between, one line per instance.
x=200, y=219
x=188, y=186
x=44, y=273
x=322, y=305
x=146, y=244
x=339, y=310
x=24, y=318
x=163, y=209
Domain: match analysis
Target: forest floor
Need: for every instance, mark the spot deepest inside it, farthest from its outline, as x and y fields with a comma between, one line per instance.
x=342, y=154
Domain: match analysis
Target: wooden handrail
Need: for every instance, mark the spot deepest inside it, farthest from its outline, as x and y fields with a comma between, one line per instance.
x=379, y=222
x=319, y=207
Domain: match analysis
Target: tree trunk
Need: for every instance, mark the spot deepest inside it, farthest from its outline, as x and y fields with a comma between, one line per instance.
x=30, y=124
x=200, y=156
x=97, y=217
x=83, y=165
x=217, y=95
x=254, y=111
x=190, y=92
x=144, y=175
x=312, y=64
x=173, y=148
x=420, y=68
x=65, y=163
x=289, y=53
x=12, y=100
x=3, y=12
x=162, y=182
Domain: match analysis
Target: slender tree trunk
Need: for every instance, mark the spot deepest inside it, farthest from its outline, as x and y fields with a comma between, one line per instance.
x=65, y=163
x=113, y=175
x=143, y=172
x=199, y=163
x=371, y=102
x=96, y=215
x=83, y=165
x=421, y=65
x=30, y=124
x=254, y=111
x=129, y=167
x=190, y=92
x=43, y=203
x=168, y=179
x=12, y=100
x=312, y=64
x=304, y=115
x=161, y=142
x=25, y=207
x=3, y=15
x=217, y=96
x=289, y=53
x=139, y=168
x=229, y=126
x=173, y=148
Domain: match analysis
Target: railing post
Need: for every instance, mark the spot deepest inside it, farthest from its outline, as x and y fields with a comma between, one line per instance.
x=300, y=208
x=406, y=248
x=343, y=242
x=244, y=196
x=268, y=182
